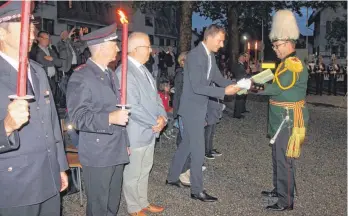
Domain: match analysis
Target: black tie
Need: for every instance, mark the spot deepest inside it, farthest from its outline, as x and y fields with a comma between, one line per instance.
x=30, y=90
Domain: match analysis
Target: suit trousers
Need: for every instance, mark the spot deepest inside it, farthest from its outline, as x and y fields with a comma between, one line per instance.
x=332, y=84
x=209, y=133
x=283, y=169
x=239, y=106
x=179, y=141
x=136, y=177
x=50, y=207
x=103, y=189
x=193, y=147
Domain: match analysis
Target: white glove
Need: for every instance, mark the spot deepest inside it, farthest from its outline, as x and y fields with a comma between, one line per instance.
x=244, y=83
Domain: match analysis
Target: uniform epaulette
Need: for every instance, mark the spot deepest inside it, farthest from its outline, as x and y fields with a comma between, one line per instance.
x=79, y=67
x=35, y=63
x=294, y=64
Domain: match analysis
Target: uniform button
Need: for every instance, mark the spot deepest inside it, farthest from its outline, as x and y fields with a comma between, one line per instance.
x=9, y=169
x=97, y=140
x=46, y=136
x=42, y=122
x=49, y=150
x=37, y=108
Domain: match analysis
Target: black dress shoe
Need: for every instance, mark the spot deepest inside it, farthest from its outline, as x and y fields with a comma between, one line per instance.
x=176, y=184
x=246, y=111
x=204, y=197
x=272, y=193
x=277, y=207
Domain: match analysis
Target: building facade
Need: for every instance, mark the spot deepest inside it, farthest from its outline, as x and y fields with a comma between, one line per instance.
x=322, y=20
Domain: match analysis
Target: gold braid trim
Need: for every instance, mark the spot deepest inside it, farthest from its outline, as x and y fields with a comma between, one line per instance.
x=294, y=65
x=298, y=131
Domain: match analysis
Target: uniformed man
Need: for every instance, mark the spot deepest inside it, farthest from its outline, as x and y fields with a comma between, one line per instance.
x=287, y=98
x=333, y=70
x=319, y=70
x=92, y=95
x=32, y=157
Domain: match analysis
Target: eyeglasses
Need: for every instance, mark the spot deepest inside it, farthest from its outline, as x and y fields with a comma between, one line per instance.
x=275, y=47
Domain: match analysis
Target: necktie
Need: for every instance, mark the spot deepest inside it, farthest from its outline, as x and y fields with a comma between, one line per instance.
x=146, y=73
x=109, y=79
x=209, y=65
x=30, y=90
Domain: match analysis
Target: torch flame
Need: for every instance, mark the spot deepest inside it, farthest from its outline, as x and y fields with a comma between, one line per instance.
x=248, y=46
x=123, y=18
x=256, y=45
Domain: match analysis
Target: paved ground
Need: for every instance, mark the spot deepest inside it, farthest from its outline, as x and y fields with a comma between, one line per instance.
x=238, y=176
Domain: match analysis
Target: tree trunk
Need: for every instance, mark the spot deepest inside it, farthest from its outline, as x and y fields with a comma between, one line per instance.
x=233, y=35
x=186, y=10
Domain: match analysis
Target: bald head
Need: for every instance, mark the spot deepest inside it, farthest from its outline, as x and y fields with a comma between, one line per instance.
x=139, y=47
x=64, y=35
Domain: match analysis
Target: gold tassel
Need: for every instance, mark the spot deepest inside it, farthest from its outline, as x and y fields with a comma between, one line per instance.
x=295, y=141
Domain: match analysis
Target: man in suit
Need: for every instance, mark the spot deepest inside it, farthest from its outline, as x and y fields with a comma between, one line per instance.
x=200, y=71
x=146, y=121
x=48, y=58
x=32, y=157
x=69, y=51
x=240, y=73
x=92, y=95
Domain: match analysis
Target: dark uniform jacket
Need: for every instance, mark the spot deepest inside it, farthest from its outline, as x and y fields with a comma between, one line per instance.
x=30, y=167
x=178, y=84
x=91, y=96
x=239, y=71
x=197, y=88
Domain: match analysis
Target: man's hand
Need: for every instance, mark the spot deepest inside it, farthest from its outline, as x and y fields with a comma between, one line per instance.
x=17, y=115
x=81, y=32
x=119, y=117
x=48, y=58
x=71, y=32
x=64, y=181
x=129, y=151
x=161, y=123
x=231, y=89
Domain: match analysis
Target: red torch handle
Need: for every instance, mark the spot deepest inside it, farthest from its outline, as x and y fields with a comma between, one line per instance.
x=24, y=47
x=124, y=63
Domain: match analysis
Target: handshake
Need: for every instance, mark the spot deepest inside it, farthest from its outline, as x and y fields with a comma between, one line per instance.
x=243, y=84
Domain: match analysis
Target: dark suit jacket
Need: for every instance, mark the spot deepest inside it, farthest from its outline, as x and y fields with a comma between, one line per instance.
x=30, y=172
x=40, y=58
x=238, y=71
x=214, y=111
x=178, y=84
x=90, y=99
x=197, y=88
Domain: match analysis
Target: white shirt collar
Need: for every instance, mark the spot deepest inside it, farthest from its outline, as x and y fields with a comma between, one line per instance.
x=100, y=66
x=206, y=49
x=135, y=62
x=15, y=65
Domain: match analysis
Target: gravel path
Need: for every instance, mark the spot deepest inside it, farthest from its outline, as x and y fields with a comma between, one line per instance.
x=244, y=169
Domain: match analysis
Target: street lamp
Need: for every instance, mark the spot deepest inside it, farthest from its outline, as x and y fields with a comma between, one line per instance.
x=245, y=38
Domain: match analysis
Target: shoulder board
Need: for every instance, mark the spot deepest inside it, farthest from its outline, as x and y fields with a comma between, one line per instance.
x=294, y=64
x=35, y=63
x=79, y=67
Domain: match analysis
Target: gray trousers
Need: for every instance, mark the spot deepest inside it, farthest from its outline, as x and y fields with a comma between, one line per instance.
x=209, y=133
x=50, y=207
x=193, y=146
x=103, y=189
x=283, y=169
x=136, y=177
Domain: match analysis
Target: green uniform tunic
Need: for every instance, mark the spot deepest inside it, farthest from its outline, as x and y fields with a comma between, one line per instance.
x=296, y=93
